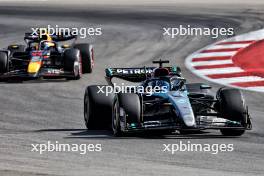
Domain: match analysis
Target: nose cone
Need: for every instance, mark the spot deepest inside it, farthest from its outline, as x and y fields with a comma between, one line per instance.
x=184, y=109
x=34, y=67
x=189, y=120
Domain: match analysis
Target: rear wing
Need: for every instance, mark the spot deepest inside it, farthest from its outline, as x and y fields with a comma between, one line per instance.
x=136, y=74
x=56, y=38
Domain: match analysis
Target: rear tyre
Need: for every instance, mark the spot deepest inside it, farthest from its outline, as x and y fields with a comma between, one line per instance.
x=232, y=107
x=98, y=108
x=72, y=63
x=87, y=56
x=3, y=63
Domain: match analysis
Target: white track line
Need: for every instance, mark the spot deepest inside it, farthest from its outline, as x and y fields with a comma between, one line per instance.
x=239, y=79
x=217, y=62
x=257, y=88
x=228, y=46
x=219, y=70
x=215, y=54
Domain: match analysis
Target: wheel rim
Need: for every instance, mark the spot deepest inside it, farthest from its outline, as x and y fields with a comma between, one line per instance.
x=76, y=70
x=80, y=65
x=92, y=58
x=77, y=67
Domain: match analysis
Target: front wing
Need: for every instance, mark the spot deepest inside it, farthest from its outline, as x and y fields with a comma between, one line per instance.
x=44, y=72
x=171, y=125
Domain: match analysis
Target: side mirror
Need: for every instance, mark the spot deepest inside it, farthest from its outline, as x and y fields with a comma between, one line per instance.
x=205, y=86
x=65, y=46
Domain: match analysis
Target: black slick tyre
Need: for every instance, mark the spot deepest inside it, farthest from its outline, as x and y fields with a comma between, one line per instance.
x=98, y=108
x=87, y=56
x=72, y=63
x=3, y=63
x=232, y=107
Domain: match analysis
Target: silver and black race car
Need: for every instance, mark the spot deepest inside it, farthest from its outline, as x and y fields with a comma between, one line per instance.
x=44, y=56
x=162, y=100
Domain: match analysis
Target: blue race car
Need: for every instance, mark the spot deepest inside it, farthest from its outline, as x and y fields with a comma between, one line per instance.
x=162, y=100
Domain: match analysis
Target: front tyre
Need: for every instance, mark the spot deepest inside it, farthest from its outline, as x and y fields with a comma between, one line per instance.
x=3, y=63
x=131, y=105
x=233, y=107
x=98, y=108
x=116, y=120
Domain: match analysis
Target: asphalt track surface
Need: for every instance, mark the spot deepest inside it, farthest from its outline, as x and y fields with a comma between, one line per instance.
x=38, y=111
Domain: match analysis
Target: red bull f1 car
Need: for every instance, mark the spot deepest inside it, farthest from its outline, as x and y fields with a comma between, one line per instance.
x=177, y=105
x=44, y=56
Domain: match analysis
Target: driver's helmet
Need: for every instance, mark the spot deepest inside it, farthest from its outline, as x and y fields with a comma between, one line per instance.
x=45, y=45
x=159, y=72
x=46, y=37
x=34, y=46
x=46, y=42
x=159, y=83
x=157, y=80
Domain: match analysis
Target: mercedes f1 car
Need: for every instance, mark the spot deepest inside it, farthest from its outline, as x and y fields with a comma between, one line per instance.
x=44, y=56
x=178, y=106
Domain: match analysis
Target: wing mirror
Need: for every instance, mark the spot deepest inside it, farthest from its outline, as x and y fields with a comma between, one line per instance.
x=65, y=46
x=205, y=86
